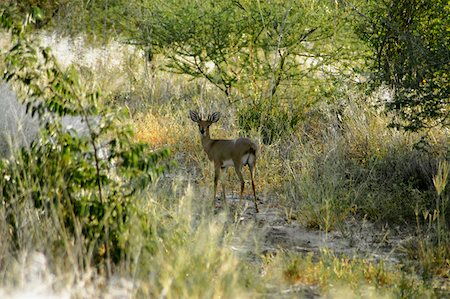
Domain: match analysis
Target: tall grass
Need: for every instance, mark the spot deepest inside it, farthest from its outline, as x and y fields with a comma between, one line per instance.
x=344, y=277
x=175, y=248
x=178, y=247
x=355, y=164
x=340, y=161
x=358, y=164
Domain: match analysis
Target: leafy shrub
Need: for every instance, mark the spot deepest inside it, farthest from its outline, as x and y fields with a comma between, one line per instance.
x=358, y=165
x=408, y=43
x=88, y=179
x=273, y=121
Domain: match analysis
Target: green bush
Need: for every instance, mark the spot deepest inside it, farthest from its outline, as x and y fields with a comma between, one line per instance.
x=357, y=165
x=83, y=182
x=273, y=121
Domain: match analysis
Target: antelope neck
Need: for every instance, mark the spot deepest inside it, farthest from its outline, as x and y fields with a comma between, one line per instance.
x=206, y=141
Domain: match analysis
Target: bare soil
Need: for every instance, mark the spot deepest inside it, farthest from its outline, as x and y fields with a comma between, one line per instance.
x=277, y=231
x=274, y=231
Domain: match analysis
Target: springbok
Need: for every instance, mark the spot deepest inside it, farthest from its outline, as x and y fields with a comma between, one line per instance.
x=224, y=153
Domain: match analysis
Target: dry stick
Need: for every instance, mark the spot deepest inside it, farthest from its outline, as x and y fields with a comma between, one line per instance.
x=97, y=167
x=99, y=186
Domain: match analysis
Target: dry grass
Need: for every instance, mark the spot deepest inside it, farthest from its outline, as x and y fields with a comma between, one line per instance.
x=330, y=167
x=159, y=131
x=343, y=277
x=342, y=160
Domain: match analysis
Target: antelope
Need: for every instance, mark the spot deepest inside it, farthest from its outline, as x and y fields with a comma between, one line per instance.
x=225, y=153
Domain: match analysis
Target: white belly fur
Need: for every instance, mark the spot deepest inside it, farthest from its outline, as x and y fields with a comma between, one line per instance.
x=227, y=163
x=246, y=158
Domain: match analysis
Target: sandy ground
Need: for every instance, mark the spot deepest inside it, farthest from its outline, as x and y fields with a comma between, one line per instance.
x=359, y=238
x=274, y=231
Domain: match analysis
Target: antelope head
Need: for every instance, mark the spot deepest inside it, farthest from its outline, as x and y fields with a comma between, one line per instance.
x=203, y=125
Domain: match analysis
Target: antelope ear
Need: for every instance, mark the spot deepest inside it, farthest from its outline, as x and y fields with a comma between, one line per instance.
x=214, y=117
x=194, y=116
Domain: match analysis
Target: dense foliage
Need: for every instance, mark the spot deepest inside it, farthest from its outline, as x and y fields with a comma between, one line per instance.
x=260, y=52
x=89, y=177
x=410, y=43
x=291, y=74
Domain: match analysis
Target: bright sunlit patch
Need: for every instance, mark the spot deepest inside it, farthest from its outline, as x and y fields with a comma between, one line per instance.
x=151, y=130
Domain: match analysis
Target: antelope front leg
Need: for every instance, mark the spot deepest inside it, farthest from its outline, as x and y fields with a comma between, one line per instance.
x=216, y=178
x=223, y=188
x=254, y=188
x=241, y=178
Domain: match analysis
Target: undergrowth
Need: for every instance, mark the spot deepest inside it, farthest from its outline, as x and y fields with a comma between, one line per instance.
x=344, y=277
x=104, y=205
